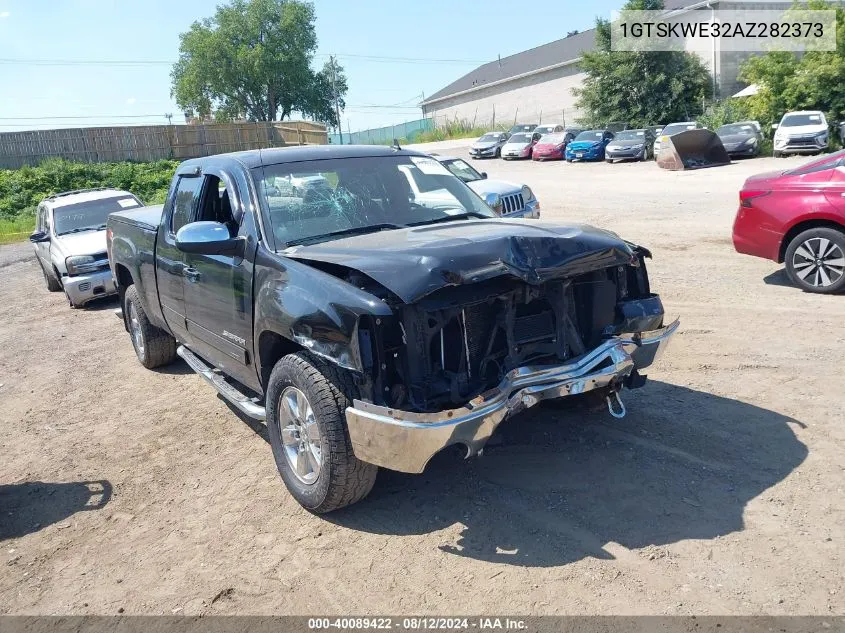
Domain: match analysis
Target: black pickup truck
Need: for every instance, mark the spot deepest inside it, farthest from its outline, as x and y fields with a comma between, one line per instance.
x=372, y=323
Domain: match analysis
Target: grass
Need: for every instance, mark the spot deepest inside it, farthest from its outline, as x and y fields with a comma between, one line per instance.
x=16, y=229
x=459, y=128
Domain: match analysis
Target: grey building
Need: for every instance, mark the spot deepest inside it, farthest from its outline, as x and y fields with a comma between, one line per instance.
x=536, y=85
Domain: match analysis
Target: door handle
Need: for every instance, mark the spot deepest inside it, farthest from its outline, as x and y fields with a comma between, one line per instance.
x=191, y=274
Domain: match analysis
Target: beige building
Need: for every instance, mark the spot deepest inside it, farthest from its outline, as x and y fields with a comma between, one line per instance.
x=536, y=85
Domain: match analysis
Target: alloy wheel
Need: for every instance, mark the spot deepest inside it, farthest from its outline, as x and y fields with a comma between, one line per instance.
x=300, y=435
x=818, y=262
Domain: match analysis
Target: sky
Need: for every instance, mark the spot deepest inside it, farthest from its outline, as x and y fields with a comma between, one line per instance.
x=55, y=70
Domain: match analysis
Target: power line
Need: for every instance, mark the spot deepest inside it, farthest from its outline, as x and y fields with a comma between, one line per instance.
x=161, y=62
x=90, y=116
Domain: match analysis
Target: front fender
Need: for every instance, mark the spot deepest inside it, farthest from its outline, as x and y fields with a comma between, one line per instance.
x=312, y=308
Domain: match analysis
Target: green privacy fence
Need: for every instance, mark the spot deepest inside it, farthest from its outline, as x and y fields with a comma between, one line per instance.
x=406, y=131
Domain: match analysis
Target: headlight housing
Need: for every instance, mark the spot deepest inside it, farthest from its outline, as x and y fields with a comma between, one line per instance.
x=527, y=194
x=750, y=141
x=79, y=264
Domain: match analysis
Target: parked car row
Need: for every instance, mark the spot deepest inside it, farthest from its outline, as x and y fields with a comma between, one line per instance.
x=798, y=132
x=362, y=301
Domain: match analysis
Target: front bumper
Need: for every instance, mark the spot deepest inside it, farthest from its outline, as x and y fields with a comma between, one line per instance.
x=81, y=289
x=801, y=145
x=483, y=153
x=583, y=154
x=406, y=441
x=623, y=153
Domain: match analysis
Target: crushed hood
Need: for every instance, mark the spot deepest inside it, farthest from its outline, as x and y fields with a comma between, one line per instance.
x=416, y=261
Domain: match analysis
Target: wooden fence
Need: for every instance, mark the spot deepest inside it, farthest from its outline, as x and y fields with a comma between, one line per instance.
x=152, y=142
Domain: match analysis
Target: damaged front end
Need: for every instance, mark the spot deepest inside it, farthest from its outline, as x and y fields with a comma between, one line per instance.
x=473, y=339
x=449, y=368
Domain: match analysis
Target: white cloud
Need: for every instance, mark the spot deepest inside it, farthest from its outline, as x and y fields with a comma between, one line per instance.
x=131, y=100
x=5, y=14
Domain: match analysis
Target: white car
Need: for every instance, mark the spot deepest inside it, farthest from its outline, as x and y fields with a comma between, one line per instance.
x=510, y=200
x=803, y=132
x=70, y=241
x=519, y=146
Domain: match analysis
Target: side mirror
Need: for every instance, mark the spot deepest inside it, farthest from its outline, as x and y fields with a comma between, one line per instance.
x=39, y=236
x=208, y=238
x=775, y=126
x=484, y=175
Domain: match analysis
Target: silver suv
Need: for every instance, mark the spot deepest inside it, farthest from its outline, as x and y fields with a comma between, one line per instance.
x=70, y=241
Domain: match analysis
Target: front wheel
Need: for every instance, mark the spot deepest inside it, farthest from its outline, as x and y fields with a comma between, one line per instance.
x=815, y=260
x=53, y=283
x=153, y=346
x=306, y=420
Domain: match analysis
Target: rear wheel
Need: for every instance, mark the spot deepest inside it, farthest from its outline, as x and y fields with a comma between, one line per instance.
x=815, y=260
x=153, y=346
x=306, y=420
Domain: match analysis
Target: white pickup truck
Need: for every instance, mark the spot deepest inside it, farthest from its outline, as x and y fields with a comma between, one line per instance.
x=70, y=241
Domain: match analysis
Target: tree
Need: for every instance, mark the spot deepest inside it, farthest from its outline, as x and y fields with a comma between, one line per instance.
x=252, y=59
x=640, y=88
x=814, y=81
x=329, y=81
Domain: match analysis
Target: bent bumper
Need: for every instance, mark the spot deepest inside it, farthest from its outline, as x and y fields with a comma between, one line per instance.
x=405, y=441
x=84, y=288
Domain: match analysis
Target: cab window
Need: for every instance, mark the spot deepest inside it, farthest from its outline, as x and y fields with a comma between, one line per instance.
x=184, y=201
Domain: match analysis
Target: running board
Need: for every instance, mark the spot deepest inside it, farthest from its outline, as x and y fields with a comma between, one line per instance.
x=243, y=403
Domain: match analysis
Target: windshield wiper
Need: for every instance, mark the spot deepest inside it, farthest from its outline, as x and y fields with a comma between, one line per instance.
x=79, y=229
x=449, y=218
x=358, y=230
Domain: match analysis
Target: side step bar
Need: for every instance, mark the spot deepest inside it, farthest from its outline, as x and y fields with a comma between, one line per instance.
x=243, y=403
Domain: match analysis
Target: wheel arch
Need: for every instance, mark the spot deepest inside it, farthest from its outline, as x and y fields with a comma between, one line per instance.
x=804, y=225
x=271, y=347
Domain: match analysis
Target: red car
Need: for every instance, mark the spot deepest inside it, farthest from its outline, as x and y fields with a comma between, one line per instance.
x=550, y=147
x=797, y=217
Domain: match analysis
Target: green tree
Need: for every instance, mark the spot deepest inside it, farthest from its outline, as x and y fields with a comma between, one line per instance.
x=252, y=59
x=813, y=81
x=641, y=87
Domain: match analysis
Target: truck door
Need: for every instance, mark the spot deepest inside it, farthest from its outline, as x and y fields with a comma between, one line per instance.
x=170, y=261
x=42, y=249
x=218, y=288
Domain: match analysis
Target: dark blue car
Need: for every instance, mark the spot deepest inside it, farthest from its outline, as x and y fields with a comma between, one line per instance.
x=588, y=145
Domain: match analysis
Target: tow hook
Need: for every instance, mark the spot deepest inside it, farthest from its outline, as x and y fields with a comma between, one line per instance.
x=620, y=410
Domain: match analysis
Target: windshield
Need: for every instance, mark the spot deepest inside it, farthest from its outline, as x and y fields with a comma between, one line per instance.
x=674, y=128
x=462, y=170
x=90, y=215
x=522, y=128
x=361, y=195
x=552, y=139
x=630, y=135
x=489, y=138
x=520, y=138
x=794, y=120
x=590, y=135
x=728, y=130
x=544, y=129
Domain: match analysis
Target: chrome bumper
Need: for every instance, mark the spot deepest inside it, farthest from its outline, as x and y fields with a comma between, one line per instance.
x=84, y=288
x=405, y=441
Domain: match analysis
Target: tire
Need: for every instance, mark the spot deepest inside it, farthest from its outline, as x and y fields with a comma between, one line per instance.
x=824, y=272
x=153, y=346
x=608, y=160
x=341, y=479
x=53, y=284
x=498, y=152
x=568, y=160
x=776, y=154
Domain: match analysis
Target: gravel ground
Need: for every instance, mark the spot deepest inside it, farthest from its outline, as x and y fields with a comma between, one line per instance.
x=721, y=492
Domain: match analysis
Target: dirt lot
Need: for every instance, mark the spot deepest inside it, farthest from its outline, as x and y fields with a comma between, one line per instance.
x=722, y=492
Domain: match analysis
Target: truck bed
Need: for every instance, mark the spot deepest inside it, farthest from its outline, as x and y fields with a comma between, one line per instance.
x=143, y=217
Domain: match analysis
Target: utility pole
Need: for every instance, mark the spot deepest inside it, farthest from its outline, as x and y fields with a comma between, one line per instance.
x=334, y=94
x=169, y=118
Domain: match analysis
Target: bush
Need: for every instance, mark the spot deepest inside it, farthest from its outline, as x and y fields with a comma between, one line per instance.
x=22, y=189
